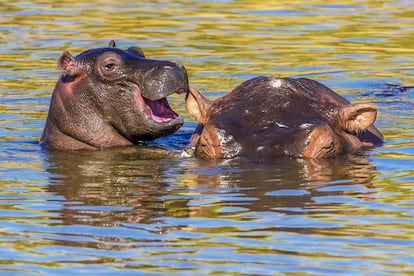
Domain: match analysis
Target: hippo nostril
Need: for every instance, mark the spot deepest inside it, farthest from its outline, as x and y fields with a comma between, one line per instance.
x=173, y=66
x=167, y=67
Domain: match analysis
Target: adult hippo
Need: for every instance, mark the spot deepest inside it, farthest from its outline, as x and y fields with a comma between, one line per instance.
x=110, y=97
x=266, y=117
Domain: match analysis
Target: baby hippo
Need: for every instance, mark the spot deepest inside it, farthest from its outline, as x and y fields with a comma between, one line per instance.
x=269, y=117
x=111, y=97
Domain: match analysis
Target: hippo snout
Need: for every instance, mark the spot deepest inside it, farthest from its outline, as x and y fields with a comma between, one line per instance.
x=166, y=78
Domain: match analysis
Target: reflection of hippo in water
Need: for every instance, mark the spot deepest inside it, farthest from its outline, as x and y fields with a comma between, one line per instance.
x=111, y=97
x=265, y=117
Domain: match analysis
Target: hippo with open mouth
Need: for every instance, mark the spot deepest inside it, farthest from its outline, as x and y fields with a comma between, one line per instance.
x=269, y=117
x=110, y=97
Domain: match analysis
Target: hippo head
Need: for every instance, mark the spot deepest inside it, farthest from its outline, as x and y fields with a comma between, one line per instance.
x=265, y=117
x=112, y=97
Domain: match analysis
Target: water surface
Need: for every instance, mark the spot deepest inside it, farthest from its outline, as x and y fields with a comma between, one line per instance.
x=133, y=211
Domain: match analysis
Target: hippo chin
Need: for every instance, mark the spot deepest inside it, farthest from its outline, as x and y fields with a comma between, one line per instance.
x=110, y=97
x=269, y=117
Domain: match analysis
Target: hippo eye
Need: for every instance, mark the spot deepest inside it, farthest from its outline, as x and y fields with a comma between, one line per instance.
x=109, y=66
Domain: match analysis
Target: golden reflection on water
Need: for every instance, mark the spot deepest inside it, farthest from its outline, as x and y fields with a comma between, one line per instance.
x=230, y=38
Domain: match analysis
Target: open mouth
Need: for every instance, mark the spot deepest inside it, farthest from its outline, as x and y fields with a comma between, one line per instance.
x=160, y=110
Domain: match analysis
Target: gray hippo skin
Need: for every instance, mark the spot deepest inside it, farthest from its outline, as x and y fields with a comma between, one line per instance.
x=110, y=97
x=267, y=117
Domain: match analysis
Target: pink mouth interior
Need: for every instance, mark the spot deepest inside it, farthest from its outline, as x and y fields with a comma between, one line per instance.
x=160, y=110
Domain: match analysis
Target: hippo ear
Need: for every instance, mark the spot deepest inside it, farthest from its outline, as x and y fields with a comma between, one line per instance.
x=112, y=44
x=136, y=50
x=358, y=117
x=197, y=105
x=67, y=64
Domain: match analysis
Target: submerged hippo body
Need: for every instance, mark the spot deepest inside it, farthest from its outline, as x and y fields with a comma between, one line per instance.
x=111, y=97
x=267, y=117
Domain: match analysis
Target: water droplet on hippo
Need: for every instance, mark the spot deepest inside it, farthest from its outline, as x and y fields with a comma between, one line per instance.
x=281, y=125
x=305, y=125
x=229, y=146
x=276, y=83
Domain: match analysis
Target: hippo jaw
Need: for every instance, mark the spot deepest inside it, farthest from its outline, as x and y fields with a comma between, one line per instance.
x=155, y=92
x=154, y=87
x=141, y=119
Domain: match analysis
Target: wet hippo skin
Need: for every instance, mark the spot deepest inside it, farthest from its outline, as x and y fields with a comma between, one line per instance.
x=267, y=117
x=110, y=97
